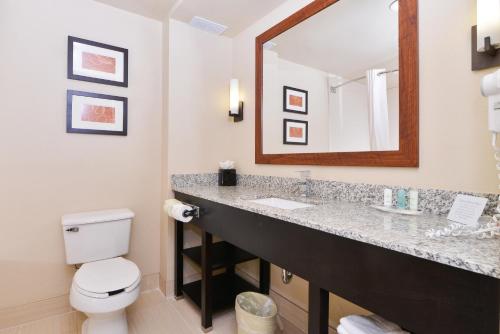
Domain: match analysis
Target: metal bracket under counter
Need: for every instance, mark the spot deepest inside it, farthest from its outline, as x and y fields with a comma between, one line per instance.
x=423, y=296
x=194, y=212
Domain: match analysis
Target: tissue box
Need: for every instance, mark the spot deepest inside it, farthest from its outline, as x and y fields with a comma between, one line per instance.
x=227, y=177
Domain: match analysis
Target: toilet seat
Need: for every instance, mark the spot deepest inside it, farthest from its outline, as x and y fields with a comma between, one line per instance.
x=106, y=278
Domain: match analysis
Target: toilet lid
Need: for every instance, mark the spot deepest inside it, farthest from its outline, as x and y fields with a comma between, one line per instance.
x=102, y=277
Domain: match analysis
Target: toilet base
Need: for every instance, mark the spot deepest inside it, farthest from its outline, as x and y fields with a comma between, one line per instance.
x=106, y=323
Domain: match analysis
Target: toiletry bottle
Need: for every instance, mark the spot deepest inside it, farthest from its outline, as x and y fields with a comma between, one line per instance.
x=401, y=199
x=388, y=198
x=413, y=195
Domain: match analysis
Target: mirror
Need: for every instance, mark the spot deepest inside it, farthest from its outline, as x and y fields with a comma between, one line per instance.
x=337, y=85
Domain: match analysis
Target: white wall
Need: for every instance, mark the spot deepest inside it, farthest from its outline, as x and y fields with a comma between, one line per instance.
x=349, y=108
x=280, y=72
x=45, y=172
x=349, y=127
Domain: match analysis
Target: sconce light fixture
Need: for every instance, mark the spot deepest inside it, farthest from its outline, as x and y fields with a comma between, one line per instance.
x=486, y=35
x=235, y=105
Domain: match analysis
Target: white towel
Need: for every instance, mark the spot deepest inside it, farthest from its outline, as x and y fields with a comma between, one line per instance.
x=373, y=324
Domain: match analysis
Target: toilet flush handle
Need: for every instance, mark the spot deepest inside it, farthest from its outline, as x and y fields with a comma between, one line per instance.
x=73, y=229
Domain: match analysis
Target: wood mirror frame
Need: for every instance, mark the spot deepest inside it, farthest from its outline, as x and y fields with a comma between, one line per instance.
x=408, y=153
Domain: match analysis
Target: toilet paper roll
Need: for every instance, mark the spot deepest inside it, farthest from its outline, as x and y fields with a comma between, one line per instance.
x=178, y=212
x=168, y=205
x=176, y=209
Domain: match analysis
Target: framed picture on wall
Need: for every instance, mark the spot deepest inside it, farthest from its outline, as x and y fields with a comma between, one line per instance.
x=96, y=113
x=295, y=132
x=295, y=100
x=97, y=62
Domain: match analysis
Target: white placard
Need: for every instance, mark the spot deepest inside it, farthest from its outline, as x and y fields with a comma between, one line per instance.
x=467, y=209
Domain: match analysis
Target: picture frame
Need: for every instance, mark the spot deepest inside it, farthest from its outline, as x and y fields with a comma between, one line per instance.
x=295, y=132
x=97, y=62
x=295, y=100
x=91, y=113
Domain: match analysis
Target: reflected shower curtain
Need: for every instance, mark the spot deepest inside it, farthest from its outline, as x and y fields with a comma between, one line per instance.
x=378, y=110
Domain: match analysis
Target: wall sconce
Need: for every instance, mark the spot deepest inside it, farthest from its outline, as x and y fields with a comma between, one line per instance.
x=235, y=105
x=486, y=35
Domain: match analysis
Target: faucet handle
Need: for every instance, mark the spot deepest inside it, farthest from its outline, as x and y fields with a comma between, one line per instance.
x=304, y=174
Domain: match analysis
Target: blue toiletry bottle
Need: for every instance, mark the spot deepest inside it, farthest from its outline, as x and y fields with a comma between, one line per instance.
x=402, y=202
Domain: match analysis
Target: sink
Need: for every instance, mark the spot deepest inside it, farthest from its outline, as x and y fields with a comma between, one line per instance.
x=281, y=203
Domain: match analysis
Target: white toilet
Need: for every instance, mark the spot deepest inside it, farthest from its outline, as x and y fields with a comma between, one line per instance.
x=106, y=283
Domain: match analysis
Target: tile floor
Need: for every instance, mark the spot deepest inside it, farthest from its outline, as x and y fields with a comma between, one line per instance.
x=151, y=314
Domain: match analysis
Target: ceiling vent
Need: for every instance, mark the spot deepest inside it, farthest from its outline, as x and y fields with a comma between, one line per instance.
x=207, y=25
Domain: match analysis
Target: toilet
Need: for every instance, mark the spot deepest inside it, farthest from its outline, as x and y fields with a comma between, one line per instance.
x=106, y=283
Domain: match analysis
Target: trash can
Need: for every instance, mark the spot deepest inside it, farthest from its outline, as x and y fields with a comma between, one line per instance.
x=256, y=314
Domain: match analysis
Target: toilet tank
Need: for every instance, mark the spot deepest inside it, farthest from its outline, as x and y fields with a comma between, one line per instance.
x=97, y=235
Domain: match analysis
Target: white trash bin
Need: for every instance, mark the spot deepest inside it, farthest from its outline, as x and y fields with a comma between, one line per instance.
x=256, y=314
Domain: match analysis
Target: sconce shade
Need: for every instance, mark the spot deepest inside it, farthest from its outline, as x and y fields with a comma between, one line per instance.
x=488, y=23
x=234, y=97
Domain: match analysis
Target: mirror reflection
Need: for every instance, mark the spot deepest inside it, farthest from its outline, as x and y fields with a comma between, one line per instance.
x=331, y=83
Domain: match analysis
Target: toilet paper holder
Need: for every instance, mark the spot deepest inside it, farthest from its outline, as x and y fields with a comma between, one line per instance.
x=194, y=212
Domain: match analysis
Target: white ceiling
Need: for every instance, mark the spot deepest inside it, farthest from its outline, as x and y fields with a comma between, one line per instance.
x=345, y=39
x=155, y=9
x=236, y=14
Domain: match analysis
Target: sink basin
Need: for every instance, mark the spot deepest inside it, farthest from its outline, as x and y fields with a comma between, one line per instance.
x=281, y=203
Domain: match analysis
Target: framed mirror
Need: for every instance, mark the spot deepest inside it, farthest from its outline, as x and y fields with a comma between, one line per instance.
x=337, y=85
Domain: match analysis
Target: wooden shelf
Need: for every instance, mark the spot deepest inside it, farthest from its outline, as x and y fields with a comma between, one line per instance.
x=225, y=289
x=223, y=255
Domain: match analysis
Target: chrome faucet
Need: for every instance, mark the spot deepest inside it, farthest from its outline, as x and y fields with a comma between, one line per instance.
x=303, y=184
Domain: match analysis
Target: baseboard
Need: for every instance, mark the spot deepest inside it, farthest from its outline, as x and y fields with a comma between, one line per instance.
x=17, y=315
x=163, y=285
x=150, y=282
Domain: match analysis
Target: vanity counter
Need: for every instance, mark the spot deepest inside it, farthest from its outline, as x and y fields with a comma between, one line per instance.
x=360, y=222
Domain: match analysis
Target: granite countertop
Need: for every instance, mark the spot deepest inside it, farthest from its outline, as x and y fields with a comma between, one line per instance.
x=358, y=221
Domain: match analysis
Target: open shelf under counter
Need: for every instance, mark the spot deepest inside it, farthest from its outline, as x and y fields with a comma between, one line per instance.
x=223, y=255
x=225, y=289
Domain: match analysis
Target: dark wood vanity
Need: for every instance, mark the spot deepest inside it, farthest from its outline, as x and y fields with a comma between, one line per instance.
x=423, y=296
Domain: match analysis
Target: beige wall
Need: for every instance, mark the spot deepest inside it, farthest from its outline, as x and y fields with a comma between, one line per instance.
x=44, y=172
x=454, y=141
x=198, y=125
x=199, y=74
x=166, y=229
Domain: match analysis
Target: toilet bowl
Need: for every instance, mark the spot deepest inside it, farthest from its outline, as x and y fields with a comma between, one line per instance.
x=102, y=290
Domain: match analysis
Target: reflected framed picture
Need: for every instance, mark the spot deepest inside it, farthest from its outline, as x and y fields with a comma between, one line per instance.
x=295, y=100
x=92, y=113
x=295, y=132
x=97, y=62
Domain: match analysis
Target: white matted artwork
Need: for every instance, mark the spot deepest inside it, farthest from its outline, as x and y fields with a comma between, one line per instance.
x=92, y=113
x=295, y=132
x=295, y=100
x=97, y=62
